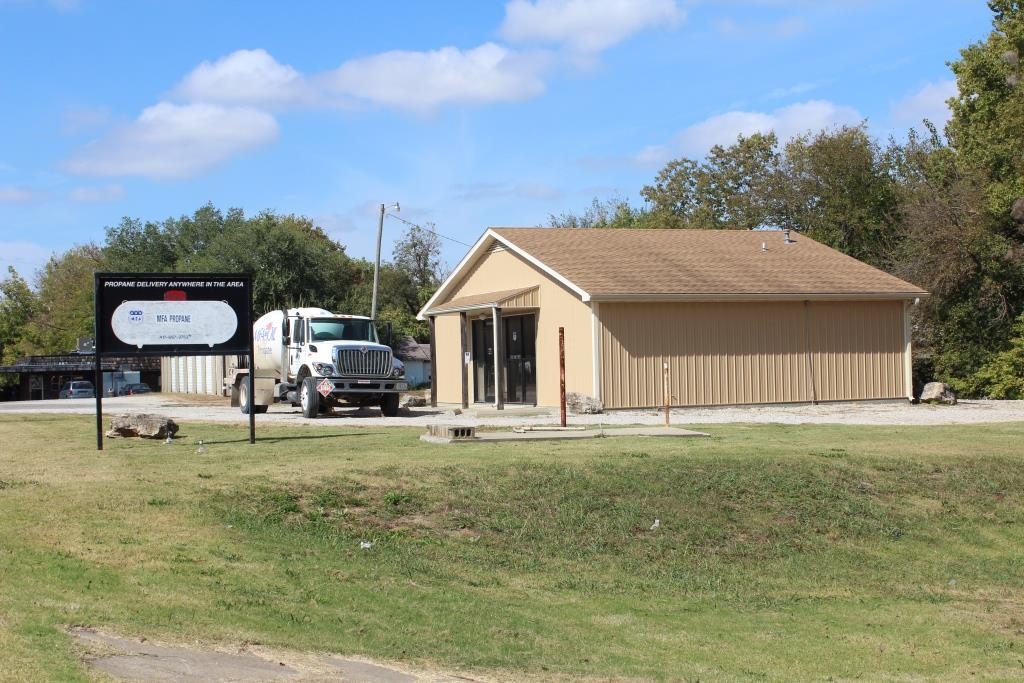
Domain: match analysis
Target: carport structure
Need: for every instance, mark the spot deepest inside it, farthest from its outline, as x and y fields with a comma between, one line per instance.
x=740, y=317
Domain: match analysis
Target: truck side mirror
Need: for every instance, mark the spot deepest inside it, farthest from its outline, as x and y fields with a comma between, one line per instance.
x=286, y=327
x=387, y=334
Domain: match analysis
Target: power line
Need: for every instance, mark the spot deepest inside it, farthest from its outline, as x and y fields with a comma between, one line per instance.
x=432, y=232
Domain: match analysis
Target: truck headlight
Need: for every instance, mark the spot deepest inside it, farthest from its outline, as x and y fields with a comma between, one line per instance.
x=398, y=371
x=325, y=369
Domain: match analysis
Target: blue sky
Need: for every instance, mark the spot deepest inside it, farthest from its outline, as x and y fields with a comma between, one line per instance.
x=470, y=113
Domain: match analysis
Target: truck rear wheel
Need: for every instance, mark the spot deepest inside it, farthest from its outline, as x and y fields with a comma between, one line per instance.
x=309, y=399
x=389, y=405
x=243, y=399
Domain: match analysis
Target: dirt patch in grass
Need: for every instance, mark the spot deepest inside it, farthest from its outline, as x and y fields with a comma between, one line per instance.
x=138, y=659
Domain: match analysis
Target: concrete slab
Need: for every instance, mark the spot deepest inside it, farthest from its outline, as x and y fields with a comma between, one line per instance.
x=556, y=434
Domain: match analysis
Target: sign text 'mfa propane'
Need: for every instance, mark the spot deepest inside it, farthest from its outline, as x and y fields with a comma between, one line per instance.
x=172, y=314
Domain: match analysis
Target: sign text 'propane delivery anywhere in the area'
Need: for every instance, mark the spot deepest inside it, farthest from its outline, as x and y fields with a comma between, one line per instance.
x=172, y=315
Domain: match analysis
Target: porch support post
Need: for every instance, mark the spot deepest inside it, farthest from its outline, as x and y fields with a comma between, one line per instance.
x=433, y=360
x=499, y=358
x=464, y=349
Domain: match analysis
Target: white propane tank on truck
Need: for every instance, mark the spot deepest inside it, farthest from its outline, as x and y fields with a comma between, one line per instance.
x=318, y=360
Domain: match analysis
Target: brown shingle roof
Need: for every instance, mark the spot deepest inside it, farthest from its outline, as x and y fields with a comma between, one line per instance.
x=623, y=262
x=482, y=300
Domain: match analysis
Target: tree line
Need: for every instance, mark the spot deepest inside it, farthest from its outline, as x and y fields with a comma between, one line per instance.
x=941, y=209
x=292, y=260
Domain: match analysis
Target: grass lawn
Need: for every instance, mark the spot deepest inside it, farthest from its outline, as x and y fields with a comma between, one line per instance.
x=784, y=552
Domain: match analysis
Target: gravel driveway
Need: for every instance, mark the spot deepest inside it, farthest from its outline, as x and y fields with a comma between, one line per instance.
x=184, y=408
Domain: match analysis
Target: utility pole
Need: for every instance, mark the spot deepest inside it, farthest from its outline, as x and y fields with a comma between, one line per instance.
x=376, y=263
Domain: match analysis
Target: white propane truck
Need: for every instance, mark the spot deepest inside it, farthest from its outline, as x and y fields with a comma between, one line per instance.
x=317, y=360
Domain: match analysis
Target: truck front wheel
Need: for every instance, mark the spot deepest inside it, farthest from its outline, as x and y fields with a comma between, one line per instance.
x=309, y=399
x=245, y=401
x=389, y=405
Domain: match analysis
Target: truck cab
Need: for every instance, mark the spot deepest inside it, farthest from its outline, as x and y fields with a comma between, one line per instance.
x=319, y=360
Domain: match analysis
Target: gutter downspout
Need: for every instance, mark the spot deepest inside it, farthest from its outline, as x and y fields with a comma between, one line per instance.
x=908, y=360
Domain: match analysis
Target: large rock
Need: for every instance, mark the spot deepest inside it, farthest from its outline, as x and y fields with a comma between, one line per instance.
x=414, y=402
x=1017, y=210
x=938, y=392
x=581, y=404
x=145, y=425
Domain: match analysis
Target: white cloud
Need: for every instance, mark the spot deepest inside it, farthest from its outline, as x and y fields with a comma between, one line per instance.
x=422, y=81
x=927, y=103
x=89, y=195
x=244, y=77
x=585, y=25
x=15, y=194
x=723, y=129
x=175, y=141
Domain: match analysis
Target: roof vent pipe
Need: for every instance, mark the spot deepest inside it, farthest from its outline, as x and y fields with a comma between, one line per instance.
x=764, y=247
x=785, y=237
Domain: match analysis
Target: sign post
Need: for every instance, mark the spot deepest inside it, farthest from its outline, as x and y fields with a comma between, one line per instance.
x=171, y=314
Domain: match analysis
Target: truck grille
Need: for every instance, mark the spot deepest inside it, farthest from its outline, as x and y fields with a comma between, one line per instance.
x=364, y=362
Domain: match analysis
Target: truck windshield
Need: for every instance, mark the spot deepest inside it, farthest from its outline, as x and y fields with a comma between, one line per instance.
x=348, y=330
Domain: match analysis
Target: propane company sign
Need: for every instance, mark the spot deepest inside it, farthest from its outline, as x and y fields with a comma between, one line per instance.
x=169, y=314
x=172, y=314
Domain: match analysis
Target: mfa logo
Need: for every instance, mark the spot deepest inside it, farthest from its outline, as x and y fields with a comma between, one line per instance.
x=265, y=334
x=135, y=315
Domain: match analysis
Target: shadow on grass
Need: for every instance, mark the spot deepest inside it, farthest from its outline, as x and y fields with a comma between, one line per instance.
x=277, y=439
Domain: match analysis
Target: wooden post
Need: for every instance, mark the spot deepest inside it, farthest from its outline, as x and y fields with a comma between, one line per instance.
x=561, y=374
x=463, y=350
x=499, y=361
x=668, y=394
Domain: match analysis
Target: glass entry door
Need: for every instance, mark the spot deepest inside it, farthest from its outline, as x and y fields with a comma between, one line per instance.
x=483, y=360
x=520, y=361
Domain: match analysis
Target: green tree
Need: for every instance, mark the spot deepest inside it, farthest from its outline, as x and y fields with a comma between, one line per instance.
x=418, y=254
x=610, y=213
x=17, y=306
x=732, y=188
x=1002, y=376
x=64, y=312
x=136, y=247
x=292, y=261
x=836, y=186
x=988, y=113
x=981, y=282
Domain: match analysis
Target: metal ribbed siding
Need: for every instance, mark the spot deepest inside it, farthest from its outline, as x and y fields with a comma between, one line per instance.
x=857, y=348
x=364, y=363
x=746, y=352
x=192, y=374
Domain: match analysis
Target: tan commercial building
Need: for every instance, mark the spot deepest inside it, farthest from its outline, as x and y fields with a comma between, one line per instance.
x=737, y=316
